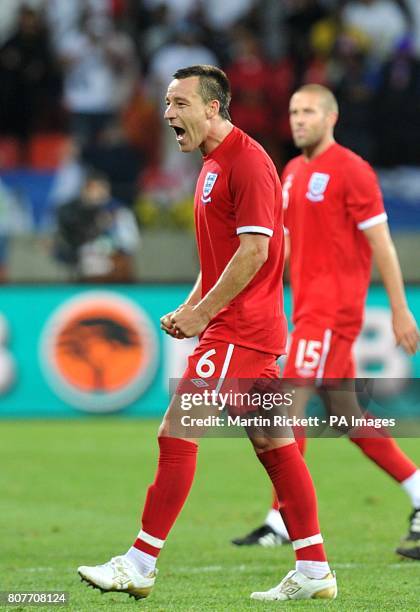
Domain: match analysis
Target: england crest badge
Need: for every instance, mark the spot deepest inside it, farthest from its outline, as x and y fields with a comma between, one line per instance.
x=209, y=182
x=317, y=186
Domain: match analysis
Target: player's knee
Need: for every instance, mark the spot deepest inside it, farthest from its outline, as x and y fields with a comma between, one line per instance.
x=263, y=444
x=342, y=429
x=163, y=431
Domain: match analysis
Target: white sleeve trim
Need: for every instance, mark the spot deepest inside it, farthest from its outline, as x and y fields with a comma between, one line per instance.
x=254, y=229
x=373, y=221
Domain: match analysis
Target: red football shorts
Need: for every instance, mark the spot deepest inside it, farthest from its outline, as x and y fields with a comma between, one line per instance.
x=215, y=359
x=317, y=354
x=231, y=370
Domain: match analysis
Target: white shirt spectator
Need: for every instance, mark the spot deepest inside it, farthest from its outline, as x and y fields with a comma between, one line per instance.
x=222, y=15
x=178, y=9
x=381, y=20
x=63, y=15
x=89, y=81
x=100, y=67
x=170, y=58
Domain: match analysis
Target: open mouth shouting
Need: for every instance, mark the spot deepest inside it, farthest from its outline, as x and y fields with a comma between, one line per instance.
x=180, y=133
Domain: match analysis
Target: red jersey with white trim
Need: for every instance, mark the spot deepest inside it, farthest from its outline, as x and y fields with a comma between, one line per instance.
x=239, y=191
x=328, y=202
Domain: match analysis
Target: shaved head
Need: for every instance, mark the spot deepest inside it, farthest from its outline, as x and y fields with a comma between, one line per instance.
x=326, y=96
x=313, y=112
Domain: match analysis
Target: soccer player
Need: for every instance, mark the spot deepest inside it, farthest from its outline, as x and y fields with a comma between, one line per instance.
x=236, y=309
x=334, y=221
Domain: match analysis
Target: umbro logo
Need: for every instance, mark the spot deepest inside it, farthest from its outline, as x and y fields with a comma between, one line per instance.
x=199, y=382
x=291, y=587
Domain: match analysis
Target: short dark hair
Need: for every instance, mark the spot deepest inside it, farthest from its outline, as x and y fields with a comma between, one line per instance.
x=213, y=84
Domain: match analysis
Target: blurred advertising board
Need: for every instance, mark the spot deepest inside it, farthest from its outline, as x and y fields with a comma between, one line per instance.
x=74, y=351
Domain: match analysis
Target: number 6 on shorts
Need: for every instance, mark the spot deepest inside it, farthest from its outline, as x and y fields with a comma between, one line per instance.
x=205, y=367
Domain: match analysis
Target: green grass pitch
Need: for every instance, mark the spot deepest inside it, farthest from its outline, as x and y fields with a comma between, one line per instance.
x=71, y=494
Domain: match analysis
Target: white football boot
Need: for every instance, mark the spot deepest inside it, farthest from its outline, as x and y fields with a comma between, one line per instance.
x=120, y=575
x=297, y=586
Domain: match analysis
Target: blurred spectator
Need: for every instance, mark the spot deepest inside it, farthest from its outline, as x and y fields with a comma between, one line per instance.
x=218, y=20
x=139, y=119
x=29, y=79
x=121, y=52
x=96, y=235
x=13, y=221
x=121, y=151
x=9, y=11
x=9, y=14
x=64, y=16
x=185, y=49
x=249, y=74
x=283, y=83
x=119, y=159
x=300, y=17
x=99, y=66
x=158, y=33
x=397, y=109
x=116, y=58
x=68, y=180
x=383, y=21
x=222, y=16
x=178, y=10
x=413, y=8
x=325, y=32
x=119, y=156
x=218, y=14
x=273, y=29
x=107, y=144
x=354, y=82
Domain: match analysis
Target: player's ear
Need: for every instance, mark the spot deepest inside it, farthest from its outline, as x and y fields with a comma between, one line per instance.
x=212, y=109
x=333, y=119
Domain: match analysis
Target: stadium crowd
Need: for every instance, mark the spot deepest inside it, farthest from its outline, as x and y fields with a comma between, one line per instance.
x=82, y=84
x=77, y=66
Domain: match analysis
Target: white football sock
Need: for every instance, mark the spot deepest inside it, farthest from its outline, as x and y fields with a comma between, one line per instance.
x=143, y=562
x=411, y=486
x=313, y=569
x=275, y=521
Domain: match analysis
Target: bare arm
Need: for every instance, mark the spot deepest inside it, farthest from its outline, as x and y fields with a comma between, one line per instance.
x=286, y=271
x=251, y=254
x=194, y=297
x=386, y=259
x=286, y=247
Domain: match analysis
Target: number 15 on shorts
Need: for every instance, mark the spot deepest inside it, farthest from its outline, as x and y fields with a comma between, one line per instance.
x=308, y=354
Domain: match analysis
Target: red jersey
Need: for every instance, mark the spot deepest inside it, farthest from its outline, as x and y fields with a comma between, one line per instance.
x=238, y=191
x=328, y=202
